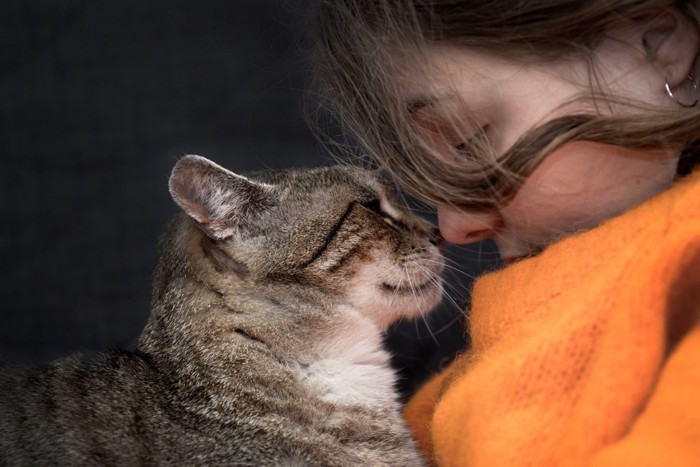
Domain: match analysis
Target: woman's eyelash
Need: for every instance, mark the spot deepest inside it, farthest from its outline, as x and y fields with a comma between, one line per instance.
x=461, y=148
x=476, y=140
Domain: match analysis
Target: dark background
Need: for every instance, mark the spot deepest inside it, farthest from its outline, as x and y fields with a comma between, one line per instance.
x=99, y=99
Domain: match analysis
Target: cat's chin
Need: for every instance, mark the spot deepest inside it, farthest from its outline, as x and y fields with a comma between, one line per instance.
x=407, y=288
x=409, y=294
x=413, y=300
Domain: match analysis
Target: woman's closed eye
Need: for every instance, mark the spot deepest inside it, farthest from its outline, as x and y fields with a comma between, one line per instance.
x=469, y=147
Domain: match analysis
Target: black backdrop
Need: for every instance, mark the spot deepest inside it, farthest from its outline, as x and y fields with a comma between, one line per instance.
x=99, y=99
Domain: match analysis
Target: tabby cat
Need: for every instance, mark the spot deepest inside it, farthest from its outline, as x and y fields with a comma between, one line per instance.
x=263, y=345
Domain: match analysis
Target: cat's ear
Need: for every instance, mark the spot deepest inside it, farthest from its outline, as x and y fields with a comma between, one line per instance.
x=220, y=201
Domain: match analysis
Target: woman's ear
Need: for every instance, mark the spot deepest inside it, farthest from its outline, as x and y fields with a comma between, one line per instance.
x=671, y=42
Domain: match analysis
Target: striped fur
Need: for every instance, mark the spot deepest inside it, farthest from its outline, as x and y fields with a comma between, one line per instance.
x=263, y=346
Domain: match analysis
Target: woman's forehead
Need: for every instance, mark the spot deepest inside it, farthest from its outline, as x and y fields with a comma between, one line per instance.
x=451, y=76
x=442, y=71
x=460, y=79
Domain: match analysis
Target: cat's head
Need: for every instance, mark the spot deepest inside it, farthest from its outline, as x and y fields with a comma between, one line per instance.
x=336, y=230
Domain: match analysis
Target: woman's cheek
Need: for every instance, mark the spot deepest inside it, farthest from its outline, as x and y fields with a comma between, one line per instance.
x=583, y=184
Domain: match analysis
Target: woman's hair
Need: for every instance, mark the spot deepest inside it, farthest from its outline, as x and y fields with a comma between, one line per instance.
x=369, y=49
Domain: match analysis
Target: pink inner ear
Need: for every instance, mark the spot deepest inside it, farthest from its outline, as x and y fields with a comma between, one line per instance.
x=186, y=185
x=219, y=200
x=196, y=211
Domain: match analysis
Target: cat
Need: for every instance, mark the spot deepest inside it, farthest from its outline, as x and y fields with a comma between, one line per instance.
x=263, y=345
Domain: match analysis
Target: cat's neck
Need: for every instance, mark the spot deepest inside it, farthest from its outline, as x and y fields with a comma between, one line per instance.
x=339, y=359
x=351, y=366
x=205, y=332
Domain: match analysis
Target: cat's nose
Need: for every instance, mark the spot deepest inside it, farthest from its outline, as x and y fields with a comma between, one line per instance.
x=437, y=239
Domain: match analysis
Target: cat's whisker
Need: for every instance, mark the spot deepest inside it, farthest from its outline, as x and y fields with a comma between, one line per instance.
x=451, y=268
x=442, y=285
x=430, y=331
x=449, y=289
x=423, y=316
x=447, y=325
x=450, y=301
x=412, y=288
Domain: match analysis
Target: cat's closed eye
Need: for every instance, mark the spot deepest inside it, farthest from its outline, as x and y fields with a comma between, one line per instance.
x=374, y=205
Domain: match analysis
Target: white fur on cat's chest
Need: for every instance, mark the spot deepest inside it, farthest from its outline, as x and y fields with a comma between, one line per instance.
x=352, y=368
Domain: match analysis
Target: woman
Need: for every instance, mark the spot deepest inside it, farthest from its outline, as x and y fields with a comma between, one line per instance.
x=565, y=131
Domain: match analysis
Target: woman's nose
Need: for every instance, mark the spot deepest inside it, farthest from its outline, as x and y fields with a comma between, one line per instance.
x=460, y=228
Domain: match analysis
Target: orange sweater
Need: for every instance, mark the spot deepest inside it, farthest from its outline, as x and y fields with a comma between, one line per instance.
x=588, y=354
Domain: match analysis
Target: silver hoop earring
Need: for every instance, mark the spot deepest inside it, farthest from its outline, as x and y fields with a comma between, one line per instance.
x=675, y=99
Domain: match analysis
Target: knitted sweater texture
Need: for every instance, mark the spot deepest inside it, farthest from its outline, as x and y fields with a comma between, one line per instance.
x=586, y=355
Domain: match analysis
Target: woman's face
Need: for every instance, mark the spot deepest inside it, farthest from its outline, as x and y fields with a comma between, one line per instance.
x=579, y=185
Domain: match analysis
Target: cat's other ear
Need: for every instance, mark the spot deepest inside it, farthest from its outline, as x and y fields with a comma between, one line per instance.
x=220, y=201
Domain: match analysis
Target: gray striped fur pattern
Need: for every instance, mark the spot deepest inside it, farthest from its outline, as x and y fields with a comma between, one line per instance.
x=263, y=345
